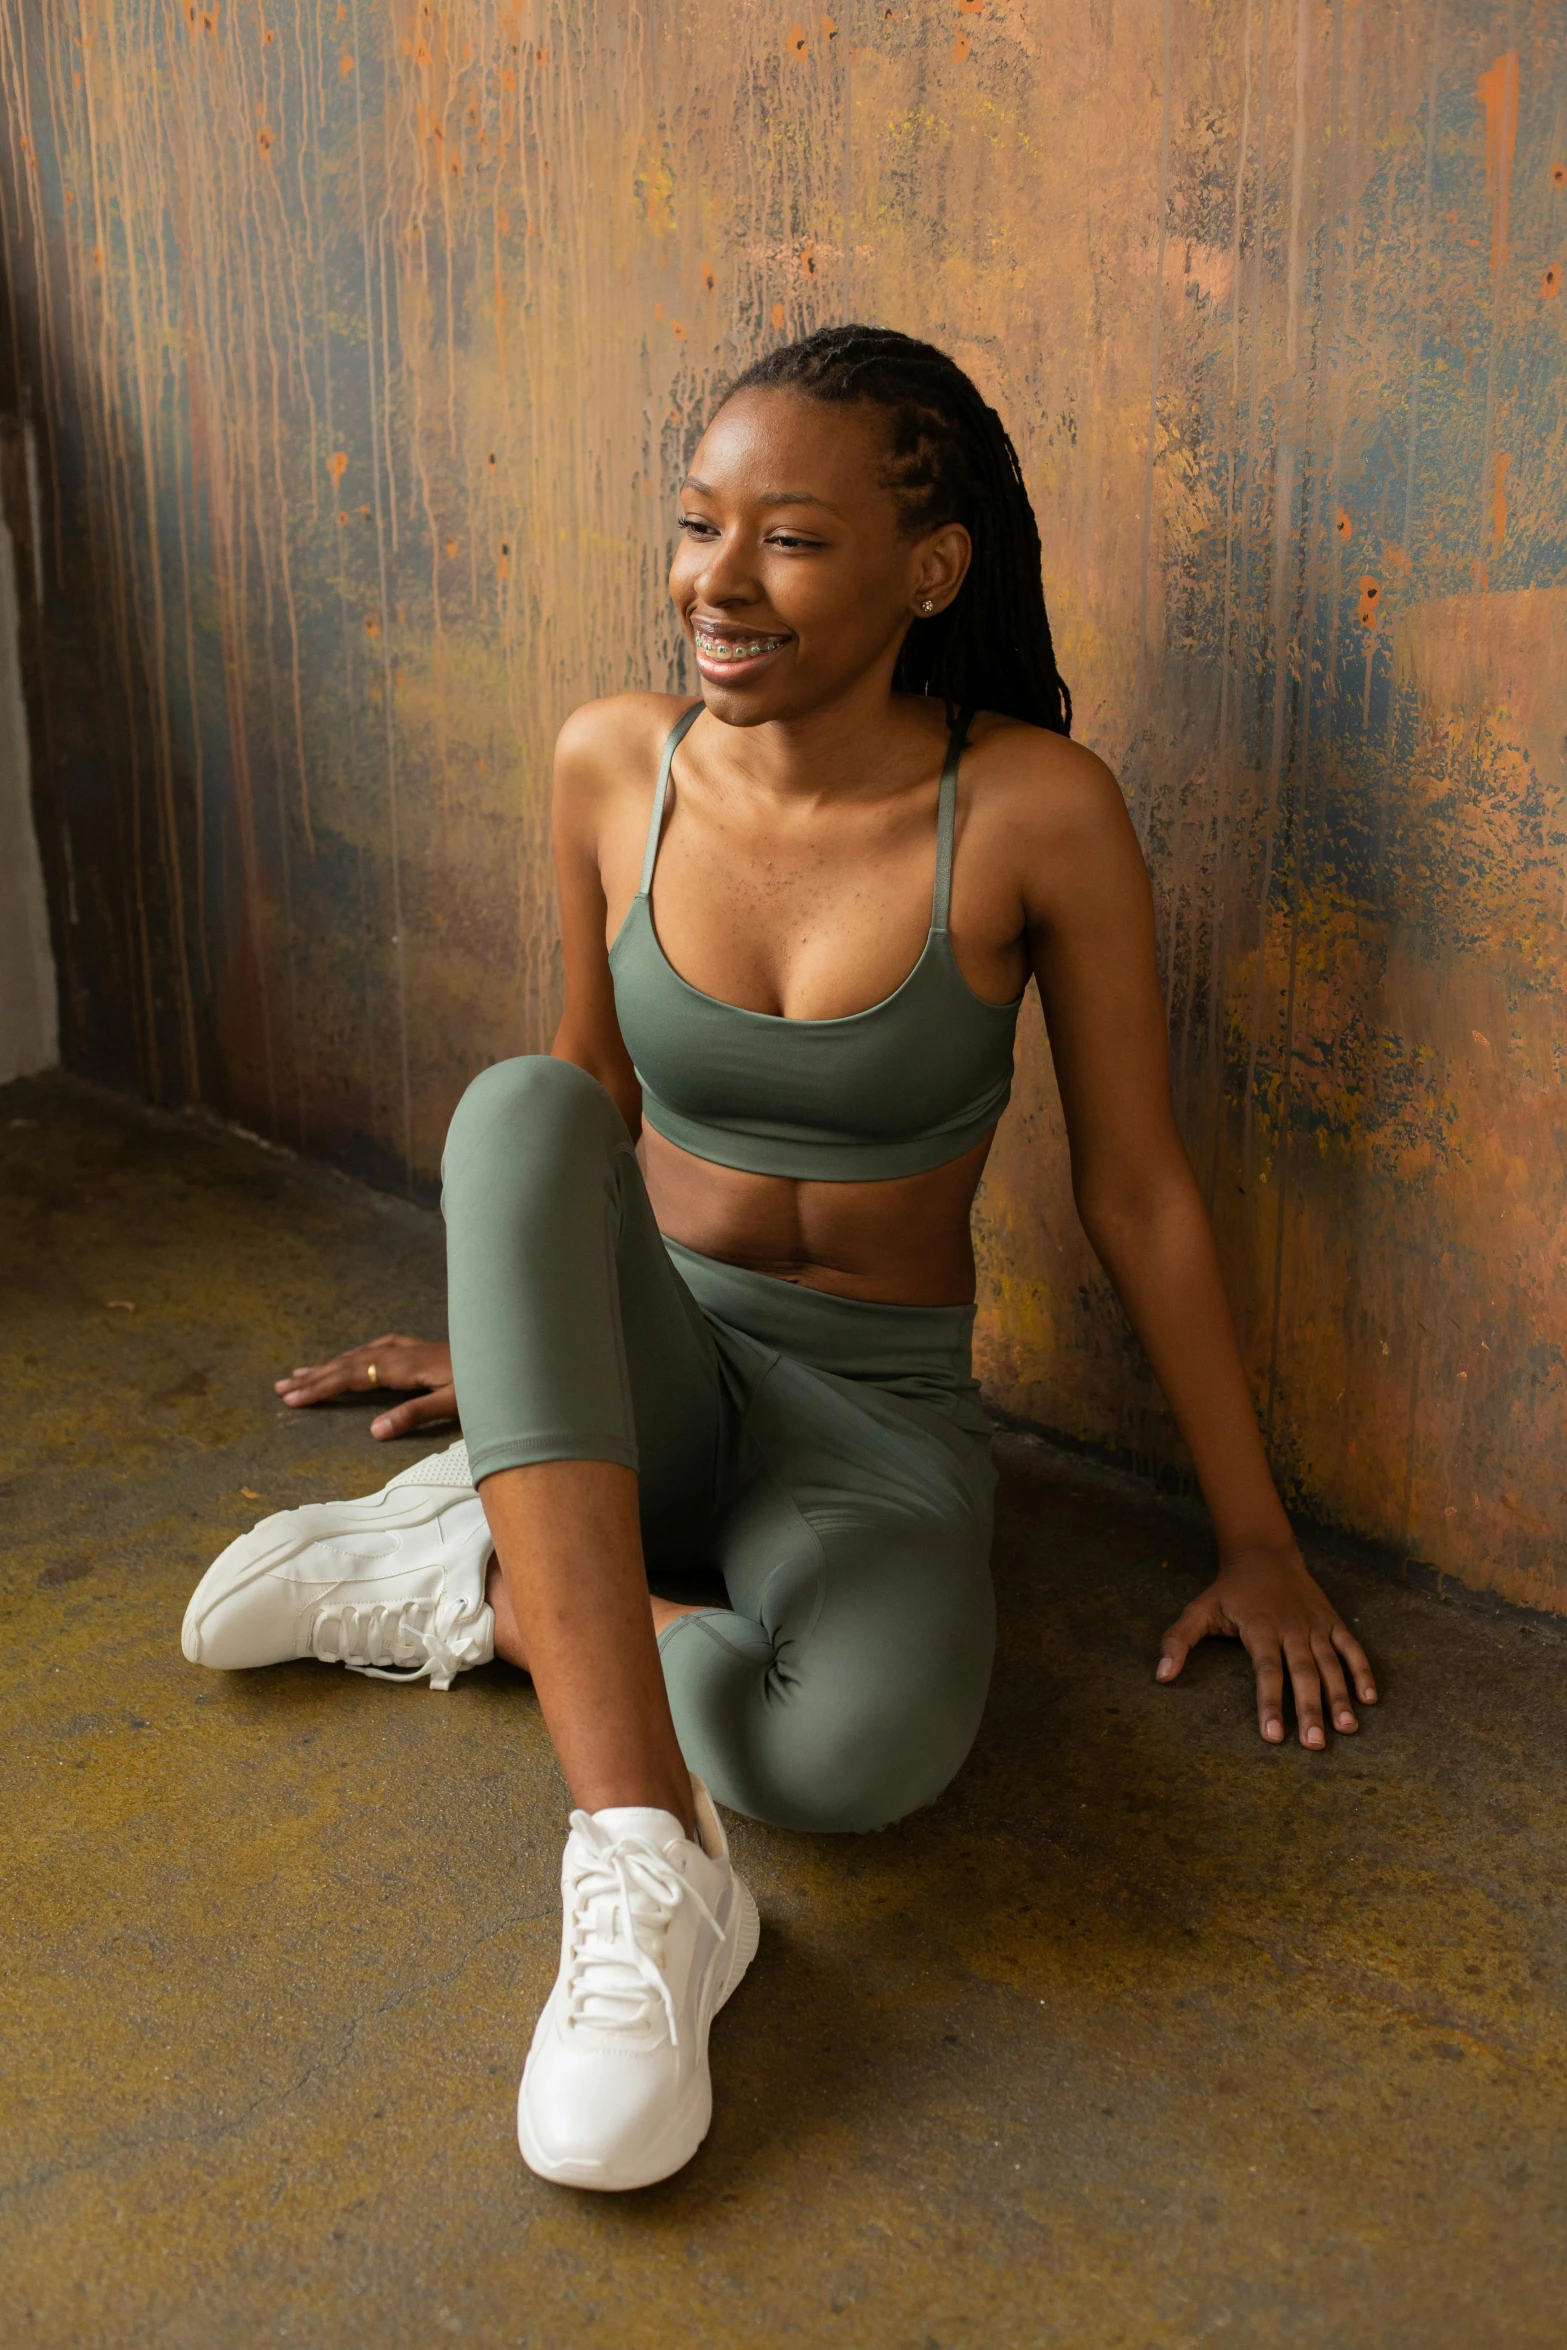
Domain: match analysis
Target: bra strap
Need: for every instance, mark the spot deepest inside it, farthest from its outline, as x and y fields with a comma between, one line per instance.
x=947, y=824
x=677, y=735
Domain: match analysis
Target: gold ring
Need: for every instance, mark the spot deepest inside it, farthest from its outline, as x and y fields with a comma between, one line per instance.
x=373, y=1379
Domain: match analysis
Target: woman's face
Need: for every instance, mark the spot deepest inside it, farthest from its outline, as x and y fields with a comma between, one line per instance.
x=792, y=578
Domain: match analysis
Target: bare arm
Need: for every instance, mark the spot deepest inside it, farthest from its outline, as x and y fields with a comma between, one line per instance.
x=1092, y=937
x=585, y=774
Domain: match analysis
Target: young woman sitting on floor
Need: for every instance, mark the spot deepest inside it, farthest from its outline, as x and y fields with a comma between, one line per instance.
x=798, y=916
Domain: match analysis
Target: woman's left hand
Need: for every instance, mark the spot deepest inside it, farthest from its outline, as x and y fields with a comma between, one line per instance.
x=1265, y=1598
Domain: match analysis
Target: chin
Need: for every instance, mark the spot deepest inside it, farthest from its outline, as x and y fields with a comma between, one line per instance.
x=742, y=705
x=732, y=708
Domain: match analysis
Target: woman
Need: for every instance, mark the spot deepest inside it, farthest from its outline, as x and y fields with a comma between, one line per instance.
x=798, y=918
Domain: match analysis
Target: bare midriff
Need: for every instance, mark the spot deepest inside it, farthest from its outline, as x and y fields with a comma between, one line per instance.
x=902, y=1242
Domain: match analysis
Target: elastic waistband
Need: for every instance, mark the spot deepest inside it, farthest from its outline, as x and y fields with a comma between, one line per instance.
x=889, y=1345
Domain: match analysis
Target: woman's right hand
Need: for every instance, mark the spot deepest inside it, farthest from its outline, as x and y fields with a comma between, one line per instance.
x=398, y=1362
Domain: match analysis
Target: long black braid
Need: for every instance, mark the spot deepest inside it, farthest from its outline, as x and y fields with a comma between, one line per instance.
x=950, y=459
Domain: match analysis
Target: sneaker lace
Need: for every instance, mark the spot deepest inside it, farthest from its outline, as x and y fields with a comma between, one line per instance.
x=402, y=1642
x=623, y=1902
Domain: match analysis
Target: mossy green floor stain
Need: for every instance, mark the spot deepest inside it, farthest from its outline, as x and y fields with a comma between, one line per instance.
x=1145, y=2037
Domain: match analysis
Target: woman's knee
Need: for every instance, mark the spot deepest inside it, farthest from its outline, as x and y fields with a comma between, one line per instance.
x=530, y=1112
x=842, y=1743
x=873, y=1773
x=848, y=1690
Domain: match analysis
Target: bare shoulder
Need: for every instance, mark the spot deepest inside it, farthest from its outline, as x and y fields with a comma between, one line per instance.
x=1050, y=814
x=1042, y=789
x=606, y=760
x=620, y=731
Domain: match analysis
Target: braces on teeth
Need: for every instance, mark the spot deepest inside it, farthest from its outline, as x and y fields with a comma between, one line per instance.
x=725, y=652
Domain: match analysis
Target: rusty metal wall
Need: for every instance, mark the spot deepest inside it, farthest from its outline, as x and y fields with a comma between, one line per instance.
x=355, y=348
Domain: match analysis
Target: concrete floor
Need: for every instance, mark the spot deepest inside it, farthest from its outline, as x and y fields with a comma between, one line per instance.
x=1145, y=2036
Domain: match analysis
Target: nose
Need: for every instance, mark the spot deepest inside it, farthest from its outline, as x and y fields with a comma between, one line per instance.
x=726, y=577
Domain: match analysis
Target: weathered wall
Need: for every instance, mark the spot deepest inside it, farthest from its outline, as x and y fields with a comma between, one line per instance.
x=362, y=341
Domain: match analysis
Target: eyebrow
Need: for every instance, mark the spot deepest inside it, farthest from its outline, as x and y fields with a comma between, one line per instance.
x=768, y=497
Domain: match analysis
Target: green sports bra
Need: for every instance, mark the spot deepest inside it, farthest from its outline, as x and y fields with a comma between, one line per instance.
x=913, y=1082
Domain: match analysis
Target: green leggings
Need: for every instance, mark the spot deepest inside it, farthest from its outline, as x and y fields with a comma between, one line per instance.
x=827, y=1459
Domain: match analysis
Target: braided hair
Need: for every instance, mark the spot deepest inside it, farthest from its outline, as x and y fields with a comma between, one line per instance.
x=950, y=459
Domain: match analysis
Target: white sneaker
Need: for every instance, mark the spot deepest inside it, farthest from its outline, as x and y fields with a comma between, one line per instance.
x=392, y=1585
x=657, y=1932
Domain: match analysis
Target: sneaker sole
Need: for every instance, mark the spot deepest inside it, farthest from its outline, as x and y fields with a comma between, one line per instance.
x=685, y=2133
x=276, y=1539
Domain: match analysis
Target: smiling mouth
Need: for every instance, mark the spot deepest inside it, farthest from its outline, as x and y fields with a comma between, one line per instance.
x=728, y=651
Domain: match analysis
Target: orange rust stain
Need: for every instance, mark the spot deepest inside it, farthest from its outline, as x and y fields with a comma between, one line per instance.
x=451, y=546
x=829, y=29
x=1559, y=175
x=1551, y=282
x=1497, y=90
x=1499, y=498
x=264, y=140
x=960, y=47
x=678, y=331
x=797, y=39
x=1343, y=525
x=342, y=516
x=337, y=464
x=778, y=316
x=345, y=64
x=970, y=7
x=1370, y=601
x=709, y=279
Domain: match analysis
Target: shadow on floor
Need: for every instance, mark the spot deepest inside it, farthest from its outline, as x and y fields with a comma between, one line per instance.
x=1147, y=2035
